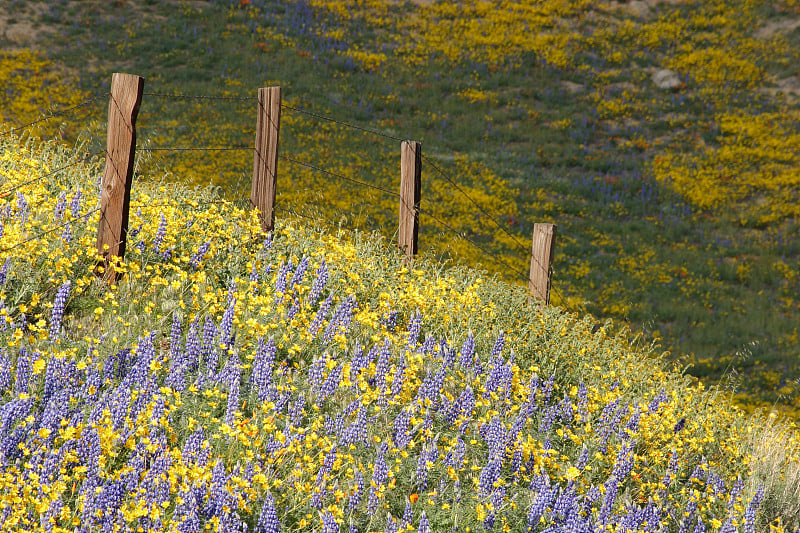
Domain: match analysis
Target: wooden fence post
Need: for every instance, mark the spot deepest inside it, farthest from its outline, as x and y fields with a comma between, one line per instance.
x=265, y=167
x=115, y=193
x=543, y=246
x=410, y=185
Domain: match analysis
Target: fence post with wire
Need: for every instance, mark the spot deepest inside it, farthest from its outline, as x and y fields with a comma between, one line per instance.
x=115, y=191
x=542, y=250
x=265, y=166
x=410, y=193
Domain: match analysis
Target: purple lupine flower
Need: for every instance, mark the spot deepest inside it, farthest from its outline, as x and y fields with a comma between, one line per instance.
x=5, y=371
x=254, y=277
x=280, y=281
x=6, y=265
x=624, y=462
x=498, y=346
x=431, y=386
x=22, y=208
x=356, y=433
x=544, y=497
x=427, y=456
x=193, y=445
x=340, y=320
x=233, y=392
x=414, y=328
x=160, y=234
x=207, y=345
x=656, y=402
x=632, y=426
x=391, y=525
x=61, y=205
x=294, y=309
x=360, y=360
x=59, y=304
x=299, y=274
x=750, y=512
x=320, y=280
x=89, y=450
x=75, y=204
x=402, y=430
x=672, y=470
x=190, y=511
x=380, y=471
x=583, y=459
x=227, y=324
x=382, y=367
x=428, y=346
x=424, y=525
x=358, y=492
x=736, y=490
x=268, y=520
x=547, y=420
x=489, y=476
x=175, y=336
x=500, y=376
x=612, y=487
x=296, y=412
x=193, y=351
x=688, y=513
x=495, y=436
x=145, y=354
x=455, y=456
x=316, y=372
x=700, y=527
x=23, y=374
x=399, y=378
x=322, y=313
x=198, y=256
x=329, y=524
x=565, y=501
x=389, y=321
x=218, y=493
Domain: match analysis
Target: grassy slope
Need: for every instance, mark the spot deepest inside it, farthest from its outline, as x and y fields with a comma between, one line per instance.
x=613, y=400
x=560, y=121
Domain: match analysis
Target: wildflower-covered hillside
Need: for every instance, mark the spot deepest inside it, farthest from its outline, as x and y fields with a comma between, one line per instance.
x=310, y=381
x=676, y=203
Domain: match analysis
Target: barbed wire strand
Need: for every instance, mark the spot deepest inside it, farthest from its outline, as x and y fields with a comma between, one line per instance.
x=475, y=203
x=339, y=176
x=341, y=122
x=192, y=149
x=54, y=114
x=494, y=220
x=492, y=255
x=495, y=257
x=198, y=97
x=84, y=216
x=85, y=159
x=193, y=203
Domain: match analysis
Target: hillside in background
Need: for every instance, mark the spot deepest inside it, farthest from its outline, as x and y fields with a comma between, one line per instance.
x=676, y=207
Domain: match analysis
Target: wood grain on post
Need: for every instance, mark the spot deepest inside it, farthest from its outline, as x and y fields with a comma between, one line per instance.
x=410, y=185
x=265, y=167
x=544, y=236
x=115, y=193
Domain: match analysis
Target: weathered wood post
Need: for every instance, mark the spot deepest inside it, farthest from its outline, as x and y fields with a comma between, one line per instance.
x=265, y=166
x=410, y=185
x=541, y=273
x=115, y=192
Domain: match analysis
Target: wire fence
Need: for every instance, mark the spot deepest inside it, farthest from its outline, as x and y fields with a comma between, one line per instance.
x=293, y=159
